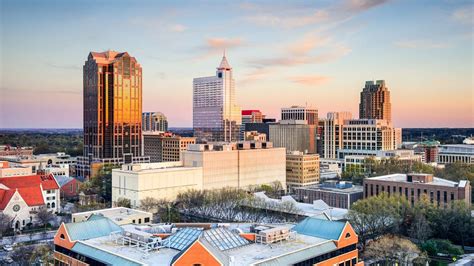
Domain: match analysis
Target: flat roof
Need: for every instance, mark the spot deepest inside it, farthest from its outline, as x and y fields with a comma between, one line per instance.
x=304, y=245
x=113, y=213
x=403, y=178
x=353, y=189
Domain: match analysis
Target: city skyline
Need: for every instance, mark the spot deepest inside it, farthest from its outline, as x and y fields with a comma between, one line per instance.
x=318, y=54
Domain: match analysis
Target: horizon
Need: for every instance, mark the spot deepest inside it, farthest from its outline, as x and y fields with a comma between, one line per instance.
x=319, y=54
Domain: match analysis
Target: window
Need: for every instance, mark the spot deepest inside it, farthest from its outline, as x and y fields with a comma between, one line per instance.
x=62, y=236
x=348, y=235
x=147, y=219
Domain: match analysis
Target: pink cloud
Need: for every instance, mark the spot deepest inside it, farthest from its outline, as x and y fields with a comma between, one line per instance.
x=313, y=80
x=222, y=43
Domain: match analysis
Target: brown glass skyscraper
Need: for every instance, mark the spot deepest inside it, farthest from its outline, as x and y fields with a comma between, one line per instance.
x=375, y=101
x=112, y=110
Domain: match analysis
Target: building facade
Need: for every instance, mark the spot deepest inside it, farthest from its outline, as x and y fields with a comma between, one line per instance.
x=462, y=153
x=375, y=101
x=112, y=110
x=156, y=180
x=331, y=135
x=308, y=114
x=239, y=165
x=412, y=186
x=154, y=121
x=165, y=147
x=301, y=169
x=335, y=194
x=216, y=116
x=366, y=137
x=294, y=136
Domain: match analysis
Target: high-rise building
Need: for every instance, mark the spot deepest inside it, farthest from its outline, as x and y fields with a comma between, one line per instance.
x=310, y=115
x=216, y=117
x=294, y=137
x=296, y=131
x=165, y=147
x=331, y=133
x=375, y=101
x=154, y=121
x=301, y=169
x=112, y=110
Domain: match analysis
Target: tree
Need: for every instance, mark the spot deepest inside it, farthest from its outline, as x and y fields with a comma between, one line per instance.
x=393, y=250
x=149, y=204
x=454, y=223
x=102, y=182
x=435, y=246
x=42, y=254
x=5, y=223
x=123, y=202
x=377, y=215
x=44, y=216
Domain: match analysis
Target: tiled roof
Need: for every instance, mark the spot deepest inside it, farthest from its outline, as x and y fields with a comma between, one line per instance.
x=312, y=226
x=47, y=181
x=28, y=187
x=97, y=227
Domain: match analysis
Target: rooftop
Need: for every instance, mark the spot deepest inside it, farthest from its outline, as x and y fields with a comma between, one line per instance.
x=318, y=208
x=114, y=214
x=403, y=178
x=340, y=187
x=102, y=240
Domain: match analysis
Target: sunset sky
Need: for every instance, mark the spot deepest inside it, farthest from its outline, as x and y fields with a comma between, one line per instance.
x=318, y=53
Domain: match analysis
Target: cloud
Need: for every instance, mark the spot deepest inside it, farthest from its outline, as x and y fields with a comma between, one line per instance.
x=420, y=44
x=463, y=15
x=177, y=28
x=288, y=17
x=313, y=80
x=307, y=43
x=293, y=56
x=222, y=43
x=216, y=45
x=256, y=75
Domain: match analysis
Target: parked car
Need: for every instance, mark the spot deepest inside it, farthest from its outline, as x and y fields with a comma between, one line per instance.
x=7, y=248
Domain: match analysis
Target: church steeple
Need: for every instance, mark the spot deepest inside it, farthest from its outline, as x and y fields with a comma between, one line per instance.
x=224, y=64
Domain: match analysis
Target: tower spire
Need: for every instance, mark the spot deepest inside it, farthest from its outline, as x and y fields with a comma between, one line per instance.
x=224, y=64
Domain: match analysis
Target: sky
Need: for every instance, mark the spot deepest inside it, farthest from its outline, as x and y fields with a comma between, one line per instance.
x=283, y=53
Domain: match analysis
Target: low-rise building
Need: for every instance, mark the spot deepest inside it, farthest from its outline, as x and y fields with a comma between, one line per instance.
x=288, y=205
x=360, y=162
x=463, y=153
x=335, y=194
x=413, y=186
x=255, y=136
x=156, y=180
x=313, y=241
x=204, y=166
x=69, y=186
x=8, y=171
x=7, y=150
x=301, y=169
x=22, y=197
x=119, y=215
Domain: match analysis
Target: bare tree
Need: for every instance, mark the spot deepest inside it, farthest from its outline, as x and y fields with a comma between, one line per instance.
x=149, y=204
x=44, y=216
x=5, y=223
